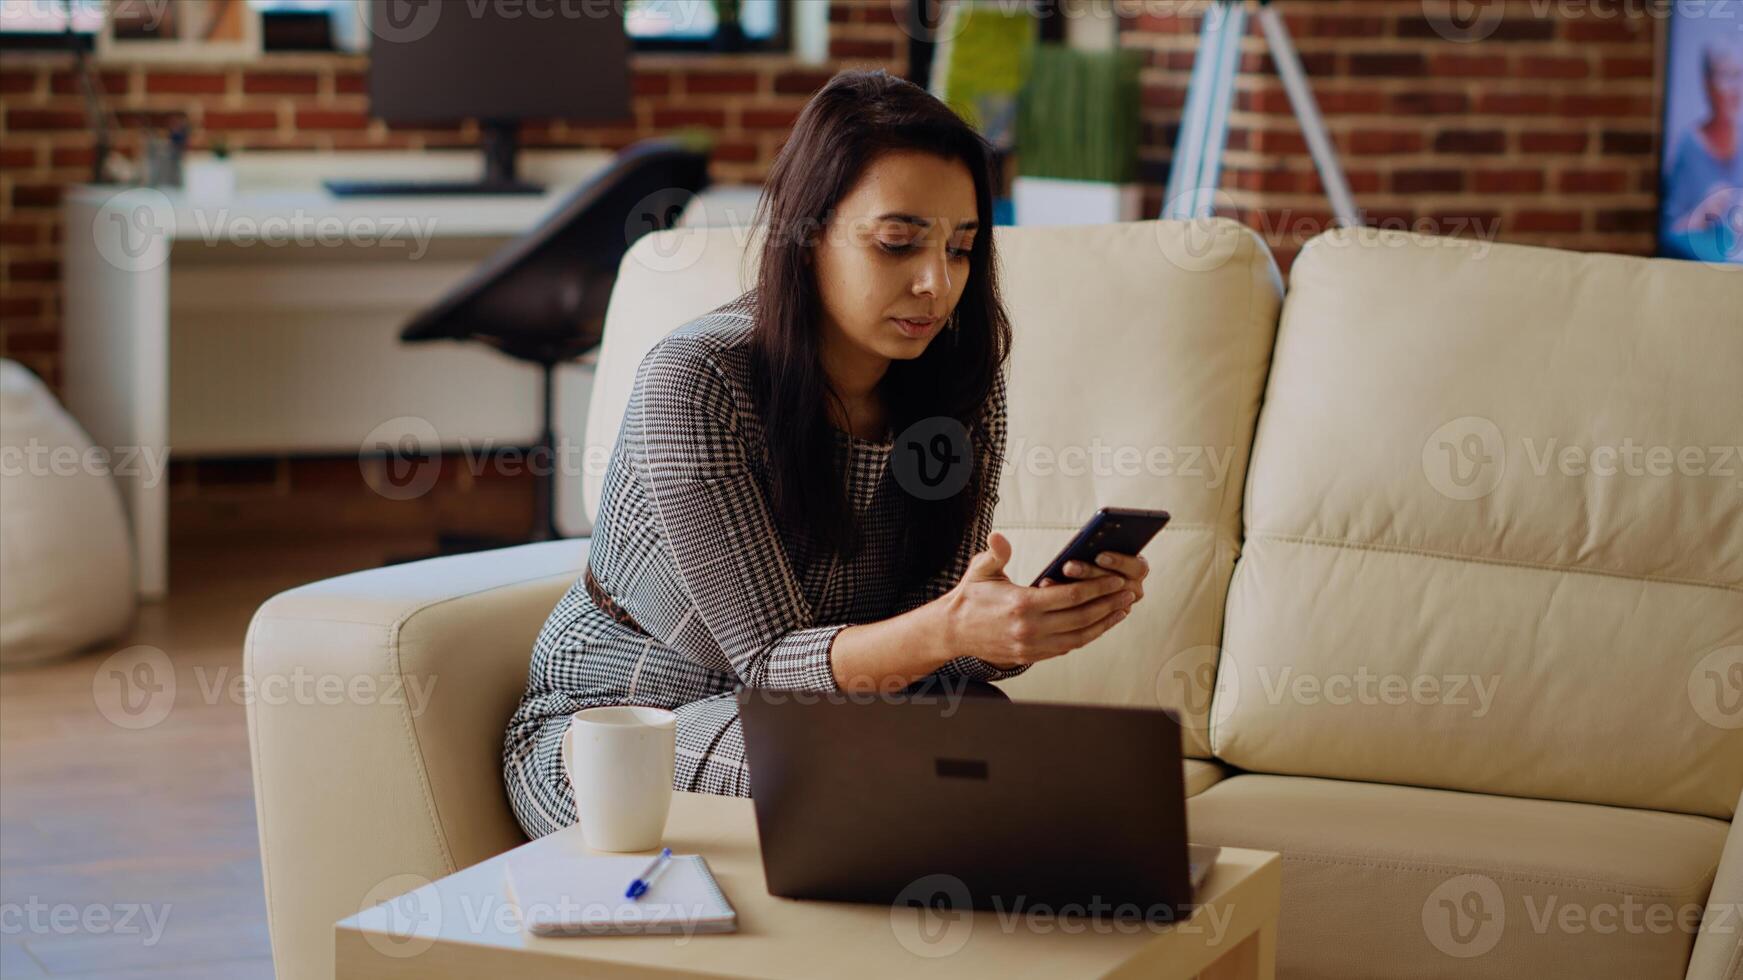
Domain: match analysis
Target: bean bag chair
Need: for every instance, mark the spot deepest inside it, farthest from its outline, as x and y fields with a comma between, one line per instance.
x=66, y=557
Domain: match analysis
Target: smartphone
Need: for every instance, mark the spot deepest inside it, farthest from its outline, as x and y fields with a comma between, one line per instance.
x=1122, y=530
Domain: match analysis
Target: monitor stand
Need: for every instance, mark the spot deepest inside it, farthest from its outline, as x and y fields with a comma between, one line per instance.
x=499, y=144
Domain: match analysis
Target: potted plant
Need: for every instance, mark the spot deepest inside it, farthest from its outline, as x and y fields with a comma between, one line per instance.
x=1077, y=138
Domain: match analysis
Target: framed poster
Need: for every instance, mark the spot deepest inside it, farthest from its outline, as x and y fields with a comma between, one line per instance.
x=187, y=30
x=1700, y=205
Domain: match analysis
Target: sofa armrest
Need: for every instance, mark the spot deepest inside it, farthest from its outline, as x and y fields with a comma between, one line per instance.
x=376, y=723
x=1719, y=947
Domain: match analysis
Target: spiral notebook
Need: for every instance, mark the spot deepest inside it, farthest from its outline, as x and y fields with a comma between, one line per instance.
x=583, y=896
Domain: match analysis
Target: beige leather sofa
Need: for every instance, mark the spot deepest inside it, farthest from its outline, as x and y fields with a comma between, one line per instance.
x=1440, y=622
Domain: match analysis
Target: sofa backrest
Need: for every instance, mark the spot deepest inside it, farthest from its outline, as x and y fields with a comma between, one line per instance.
x=1140, y=353
x=665, y=280
x=1494, y=527
x=1139, y=357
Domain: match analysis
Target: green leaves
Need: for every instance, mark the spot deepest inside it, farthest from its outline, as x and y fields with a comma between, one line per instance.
x=1079, y=115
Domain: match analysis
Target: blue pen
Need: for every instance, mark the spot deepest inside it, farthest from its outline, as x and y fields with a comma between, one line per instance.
x=645, y=880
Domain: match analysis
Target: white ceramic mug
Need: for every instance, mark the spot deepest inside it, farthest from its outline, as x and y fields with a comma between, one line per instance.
x=619, y=759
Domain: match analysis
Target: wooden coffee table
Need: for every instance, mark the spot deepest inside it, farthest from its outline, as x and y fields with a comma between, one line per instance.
x=462, y=926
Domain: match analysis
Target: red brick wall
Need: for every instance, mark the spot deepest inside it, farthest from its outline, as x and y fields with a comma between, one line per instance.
x=318, y=102
x=1545, y=130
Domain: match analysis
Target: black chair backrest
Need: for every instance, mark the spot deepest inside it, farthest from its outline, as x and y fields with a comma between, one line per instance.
x=542, y=297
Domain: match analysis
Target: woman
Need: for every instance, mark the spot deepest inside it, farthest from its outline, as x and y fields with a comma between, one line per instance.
x=1703, y=189
x=752, y=532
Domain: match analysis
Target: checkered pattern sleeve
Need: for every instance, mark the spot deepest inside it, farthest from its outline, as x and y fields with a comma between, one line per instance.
x=989, y=462
x=692, y=455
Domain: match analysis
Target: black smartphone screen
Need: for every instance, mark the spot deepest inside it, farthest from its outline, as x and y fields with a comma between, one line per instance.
x=1123, y=530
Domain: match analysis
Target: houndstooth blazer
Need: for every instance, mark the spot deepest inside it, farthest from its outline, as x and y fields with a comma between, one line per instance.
x=687, y=544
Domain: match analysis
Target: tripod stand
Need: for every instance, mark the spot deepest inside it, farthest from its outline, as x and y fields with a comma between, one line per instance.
x=1204, y=128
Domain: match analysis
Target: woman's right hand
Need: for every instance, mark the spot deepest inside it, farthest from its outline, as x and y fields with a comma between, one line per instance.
x=1009, y=625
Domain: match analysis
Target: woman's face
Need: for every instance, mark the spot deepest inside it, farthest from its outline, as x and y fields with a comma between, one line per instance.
x=892, y=263
x=1725, y=85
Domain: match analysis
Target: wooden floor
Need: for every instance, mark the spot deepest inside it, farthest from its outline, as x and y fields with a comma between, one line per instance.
x=132, y=853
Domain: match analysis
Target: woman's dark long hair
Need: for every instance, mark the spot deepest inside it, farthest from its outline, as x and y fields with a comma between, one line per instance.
x=853, y=119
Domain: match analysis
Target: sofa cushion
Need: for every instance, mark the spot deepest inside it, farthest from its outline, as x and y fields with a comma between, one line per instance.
x=1718, y=953
x=1140, y=353
x=1202, y=774
x=1403, y=882
x=1140, y=350
x=1494, y=527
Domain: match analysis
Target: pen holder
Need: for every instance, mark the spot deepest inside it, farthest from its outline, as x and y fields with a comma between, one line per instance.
x=619, y=761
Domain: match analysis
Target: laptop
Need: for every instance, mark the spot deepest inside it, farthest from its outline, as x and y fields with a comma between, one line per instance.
x=999, y=806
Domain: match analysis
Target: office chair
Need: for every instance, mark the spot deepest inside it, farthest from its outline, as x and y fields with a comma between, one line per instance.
x=542, y=297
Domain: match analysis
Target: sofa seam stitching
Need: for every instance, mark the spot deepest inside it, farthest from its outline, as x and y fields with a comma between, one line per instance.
x=417, y=751
x=423, y=604
x=393, y=634
x=1472, y=559
x=405, y=717
x=1620, y=888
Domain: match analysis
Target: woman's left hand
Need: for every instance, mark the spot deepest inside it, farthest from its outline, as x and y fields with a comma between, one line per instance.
x=1132, y=567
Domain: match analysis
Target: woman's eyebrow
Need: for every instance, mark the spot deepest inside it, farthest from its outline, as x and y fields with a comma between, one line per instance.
x=914, y=219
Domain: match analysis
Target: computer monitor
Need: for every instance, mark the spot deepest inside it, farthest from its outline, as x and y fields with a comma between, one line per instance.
x=433, y=61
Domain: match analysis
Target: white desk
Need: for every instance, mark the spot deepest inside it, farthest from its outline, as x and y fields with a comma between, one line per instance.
x=269, y=323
